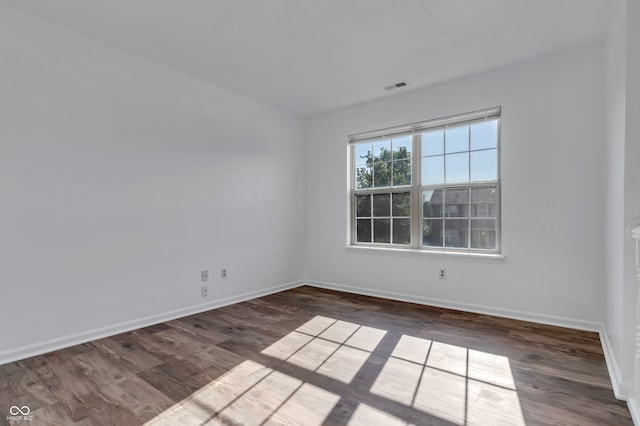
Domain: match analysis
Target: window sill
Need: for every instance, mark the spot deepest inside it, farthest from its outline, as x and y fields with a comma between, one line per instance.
x=433, y=254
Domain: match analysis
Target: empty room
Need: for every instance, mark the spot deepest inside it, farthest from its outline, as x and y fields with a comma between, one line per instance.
x=319, y=212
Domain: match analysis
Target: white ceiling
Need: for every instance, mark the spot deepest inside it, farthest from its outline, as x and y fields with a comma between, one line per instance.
x=310, y=56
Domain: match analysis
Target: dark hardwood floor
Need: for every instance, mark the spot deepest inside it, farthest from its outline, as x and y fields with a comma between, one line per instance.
x=310, y=356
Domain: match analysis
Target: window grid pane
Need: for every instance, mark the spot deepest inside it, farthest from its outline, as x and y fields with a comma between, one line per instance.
x=483, y=165
x=432, y=232
x=432, y=203
x=456, y=203
x=459, y=206
x=433, y=143
x=401, y=173
x=381, y=230
x=364, y=176
x=433, y=170
x=381, y=205
x=383, y=218
x=401, y=204
x=456, y=233
x=383, y=163
x=483, y=233
x=363, y=230
x=456, y=139
x=363, y=205
x=484, y=135
x=456, y=168
x=402, y=147
x=483, y=202
x=401, y=231
x=382, y=174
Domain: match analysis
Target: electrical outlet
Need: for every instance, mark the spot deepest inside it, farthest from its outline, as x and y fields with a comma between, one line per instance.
x=204, y=291
x=204, y=275
x=442, y=274
x=223, y=273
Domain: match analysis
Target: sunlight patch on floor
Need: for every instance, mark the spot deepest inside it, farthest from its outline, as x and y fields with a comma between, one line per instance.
x=252, y=394
x=453, y=383
x=366, y=415
x=344, y=364
x=398, y=381
x=334, y=348
x=493, y=405
x=308, y=405
x=412, y=349
x=314, y=354
x=289, y=344
x=490, y=368
x=442, y=394
x=450, y=358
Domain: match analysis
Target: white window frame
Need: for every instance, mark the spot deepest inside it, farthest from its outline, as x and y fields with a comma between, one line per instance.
x=416, y=188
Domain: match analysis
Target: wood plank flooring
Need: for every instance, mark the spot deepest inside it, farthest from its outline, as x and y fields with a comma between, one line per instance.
x=310, y=356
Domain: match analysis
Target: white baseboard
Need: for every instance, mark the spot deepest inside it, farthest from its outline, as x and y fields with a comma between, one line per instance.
x=99, y=333
x=448, y=304
x=612, y=366
x=633, y=409
x=620, y=388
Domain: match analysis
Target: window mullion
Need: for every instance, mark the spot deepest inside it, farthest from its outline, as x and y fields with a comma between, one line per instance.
x=469, y=210
x=391, y=209
x=353, y=215
x=416, y=206
x=469, y=190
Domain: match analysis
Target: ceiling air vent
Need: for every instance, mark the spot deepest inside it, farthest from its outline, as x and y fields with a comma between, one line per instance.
x=396, y=86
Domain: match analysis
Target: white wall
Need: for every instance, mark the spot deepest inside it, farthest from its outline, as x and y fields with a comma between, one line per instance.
x=120, y=180
x=622, y=177
x=631, y=196
x=614, y=153
x=552, y=193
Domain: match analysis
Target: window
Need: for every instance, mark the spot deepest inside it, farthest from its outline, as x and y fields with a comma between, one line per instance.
x=433, y=185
